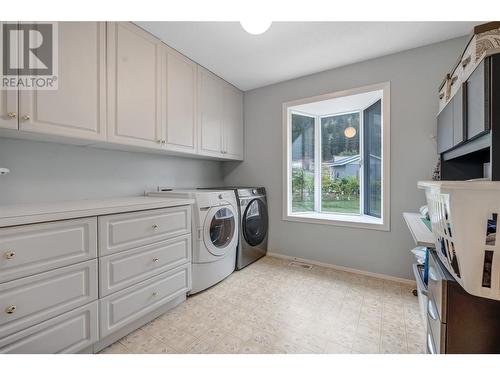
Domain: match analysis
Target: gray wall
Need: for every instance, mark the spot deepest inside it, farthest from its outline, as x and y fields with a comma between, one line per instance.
x=414, y=76
x=42, y=171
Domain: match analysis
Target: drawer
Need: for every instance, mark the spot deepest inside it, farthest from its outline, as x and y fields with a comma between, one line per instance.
x=123, y=307
x=129, y=267
x=30, y=249
x=127, y=231
x=437, y=287
x=437, y=331
x=67, y=333
x=31, y=300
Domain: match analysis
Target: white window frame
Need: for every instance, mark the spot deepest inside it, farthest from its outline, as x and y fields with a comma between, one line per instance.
x=360, y=220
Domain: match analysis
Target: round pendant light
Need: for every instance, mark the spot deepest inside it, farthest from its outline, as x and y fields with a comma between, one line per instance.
x=350, y=132
x=255, y=27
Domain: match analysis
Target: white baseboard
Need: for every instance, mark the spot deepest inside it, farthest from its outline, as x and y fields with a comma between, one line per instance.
x=342, y=268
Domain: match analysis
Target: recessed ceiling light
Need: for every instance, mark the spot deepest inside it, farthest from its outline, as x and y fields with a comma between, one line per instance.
x=255, y=27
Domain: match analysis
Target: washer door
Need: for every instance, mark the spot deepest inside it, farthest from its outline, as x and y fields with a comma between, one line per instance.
x=255, y=222
x=220, y=230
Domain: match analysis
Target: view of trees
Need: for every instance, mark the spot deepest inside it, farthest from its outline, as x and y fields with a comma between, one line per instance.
x=334, y=191
x=333, y=140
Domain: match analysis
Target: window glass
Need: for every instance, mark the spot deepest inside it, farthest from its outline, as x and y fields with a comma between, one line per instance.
x=340, y=163
x=373, y=156
x=302, y=163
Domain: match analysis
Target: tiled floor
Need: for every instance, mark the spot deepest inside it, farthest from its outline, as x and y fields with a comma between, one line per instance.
x=271, y=307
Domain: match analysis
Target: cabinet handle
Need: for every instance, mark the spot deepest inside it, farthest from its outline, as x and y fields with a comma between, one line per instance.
x=11, y=309
x=432, y=310
x=26, y=117
x=155, y=228
x=163, y=141
x=155, y=294
x=466, y=62
x=453, y=80
x=441, y=95
x=430, y=346
x=12, y=114
x=9, y=254
x=156, y=260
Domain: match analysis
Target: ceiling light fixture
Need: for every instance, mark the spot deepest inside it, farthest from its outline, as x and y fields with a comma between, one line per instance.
x=255, y=27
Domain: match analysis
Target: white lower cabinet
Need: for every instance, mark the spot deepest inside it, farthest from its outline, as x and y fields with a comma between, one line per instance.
x=71, y=332
x=124, y=307
x=127, y=268
x=50, y=285
x=33, y=299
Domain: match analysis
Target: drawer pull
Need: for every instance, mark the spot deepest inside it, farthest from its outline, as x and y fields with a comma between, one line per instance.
x=9, y=254
x=430, y=345
x=11, y=309
x=465, y=62
x=441, y=95
x=12, y=114
x=431, y=310
x=155, y=227
x=453, y=80
x=156, y=260
x=155, y=294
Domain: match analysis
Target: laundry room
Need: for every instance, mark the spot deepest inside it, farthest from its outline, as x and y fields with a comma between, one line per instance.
x=261, y=186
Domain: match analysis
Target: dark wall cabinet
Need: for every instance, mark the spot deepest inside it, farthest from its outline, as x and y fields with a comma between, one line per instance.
x=450, y=123
x=468, y=127
x=478, y=101
x=466, y=116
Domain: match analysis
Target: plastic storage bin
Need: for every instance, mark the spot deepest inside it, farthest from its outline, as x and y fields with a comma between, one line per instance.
x=464, y=220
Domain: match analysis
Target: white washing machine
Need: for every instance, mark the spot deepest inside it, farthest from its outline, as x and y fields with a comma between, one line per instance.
x=215, y=233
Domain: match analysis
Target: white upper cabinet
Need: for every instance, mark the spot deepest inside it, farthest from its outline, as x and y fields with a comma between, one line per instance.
x=233, y=123
x=8, y=109
x=77, y=109
x=210, y=92
x=179, y=102
x=134, y=86
x=220, y=117
x=119, y=86
x=8, y=100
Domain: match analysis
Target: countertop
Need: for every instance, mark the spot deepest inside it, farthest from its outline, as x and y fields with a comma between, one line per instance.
x=419, y=231
x=20, y=214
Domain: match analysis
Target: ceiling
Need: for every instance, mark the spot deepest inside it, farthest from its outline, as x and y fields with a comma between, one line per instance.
x=293, y=49
x=339, y=105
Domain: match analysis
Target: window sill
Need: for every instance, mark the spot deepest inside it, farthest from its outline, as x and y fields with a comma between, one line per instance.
x=353, y=221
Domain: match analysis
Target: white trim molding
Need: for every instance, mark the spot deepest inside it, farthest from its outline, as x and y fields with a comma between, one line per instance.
x=361, y=221
x=345, y=269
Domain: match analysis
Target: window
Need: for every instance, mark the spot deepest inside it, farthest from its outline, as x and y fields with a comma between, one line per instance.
x=336, y=166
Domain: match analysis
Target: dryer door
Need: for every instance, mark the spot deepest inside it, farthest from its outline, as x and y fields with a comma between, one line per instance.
x=255, y=222
x=220, y=232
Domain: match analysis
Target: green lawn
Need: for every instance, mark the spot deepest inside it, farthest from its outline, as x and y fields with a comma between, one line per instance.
x=340, y=206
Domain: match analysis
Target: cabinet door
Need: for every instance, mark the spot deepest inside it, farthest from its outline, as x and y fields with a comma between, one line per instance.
x=77, y=108
x=478, y=101
x=445, y=129
x=8, y=99
x=180, y=101
x=233, y=123
x=210, y=91
x=134, y=86
x=458, y=116
x=8, y=109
